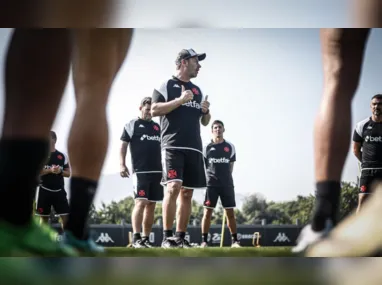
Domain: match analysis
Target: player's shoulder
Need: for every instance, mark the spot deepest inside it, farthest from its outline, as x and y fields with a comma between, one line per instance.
x=363, y=122
x=229, y=144
x=132, y=122
x=153, y=123
x=360, y=126
x=164, y=83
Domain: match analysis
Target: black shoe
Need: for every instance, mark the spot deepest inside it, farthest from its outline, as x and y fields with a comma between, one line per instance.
x=183, y=243
x=169, y=243
x=147, y=243
x=139, y=244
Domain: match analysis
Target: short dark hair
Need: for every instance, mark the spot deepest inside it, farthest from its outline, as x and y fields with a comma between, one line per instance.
x=53, y=135
x=146, y=100
x=377, y=96
x=216, y=122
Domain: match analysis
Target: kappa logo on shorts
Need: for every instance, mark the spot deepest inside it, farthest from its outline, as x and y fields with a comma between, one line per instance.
x=141, y=193
x=40, y=210
x=363, y=188
x=172, y=174
x=207, y=203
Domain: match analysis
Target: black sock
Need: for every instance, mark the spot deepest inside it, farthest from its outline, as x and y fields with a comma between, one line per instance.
x=326, y=204
x=204, y=237
x=167, y=234
x=136, y=236
x=234, y=237
x=82, y=192
x=21, y=162
x=180, y=235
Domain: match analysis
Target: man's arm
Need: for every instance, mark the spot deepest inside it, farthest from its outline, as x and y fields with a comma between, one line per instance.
x=161, y=107
x=205, y=120
x=357, y=141
x=233, y=157
x=45, y=171
x=122, y=153
x=357, y=150
x=66, y=168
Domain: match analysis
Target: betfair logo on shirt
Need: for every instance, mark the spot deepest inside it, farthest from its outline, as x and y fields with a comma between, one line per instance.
x=150, y=138
x=218, y=160
x=192, y=104
x=373, y=139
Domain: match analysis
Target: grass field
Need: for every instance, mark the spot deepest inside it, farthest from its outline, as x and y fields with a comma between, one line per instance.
x=201, y=252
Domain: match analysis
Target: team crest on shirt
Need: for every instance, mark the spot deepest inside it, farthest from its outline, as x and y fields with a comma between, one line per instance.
x=195, y=91
x=226, y=149
x=59, y=156
x=156, y=128
x=172, y=174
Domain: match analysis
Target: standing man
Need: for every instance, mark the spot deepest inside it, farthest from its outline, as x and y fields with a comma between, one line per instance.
x=143, y=135
x=368, y=137
x=220, y=156
x=181, y=107
x=343, y=52
x=51, y=191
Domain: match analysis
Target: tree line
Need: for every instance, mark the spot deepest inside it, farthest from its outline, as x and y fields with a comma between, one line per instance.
x=255, y=210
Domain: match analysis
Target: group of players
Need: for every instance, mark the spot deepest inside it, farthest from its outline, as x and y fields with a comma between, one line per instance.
x=41, y=60
x=171, y=156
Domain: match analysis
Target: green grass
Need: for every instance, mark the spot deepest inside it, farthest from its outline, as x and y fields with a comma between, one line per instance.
x=201, y=252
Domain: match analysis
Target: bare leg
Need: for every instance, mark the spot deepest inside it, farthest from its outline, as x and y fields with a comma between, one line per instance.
x=343, y=51
x=98, y=56
x=368, y=14
x=137, y=218
x=148, y=219
x=231, y=222
x=184, y=212
x=169, y=207
x=206, y=223
x=36, y=73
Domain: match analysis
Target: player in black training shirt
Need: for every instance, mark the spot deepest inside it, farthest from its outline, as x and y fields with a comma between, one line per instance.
x=368, y=137
x=51, y=191
x=181, y=107
x=143, y=135
x=220, y=156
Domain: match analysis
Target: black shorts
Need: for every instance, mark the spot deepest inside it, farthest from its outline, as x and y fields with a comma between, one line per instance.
x=368, y=176
x=148, y=186
x=226, y=194
x=184, y=165
x=45, y=199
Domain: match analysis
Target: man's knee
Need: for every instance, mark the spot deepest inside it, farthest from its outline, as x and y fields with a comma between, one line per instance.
x=207, y=213
x=173, y=189
x=230, y=213
x=186, y=194
x=150, y=206
x=140, y=204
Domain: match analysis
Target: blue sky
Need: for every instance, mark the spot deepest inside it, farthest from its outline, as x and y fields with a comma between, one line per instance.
x=264, y=84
